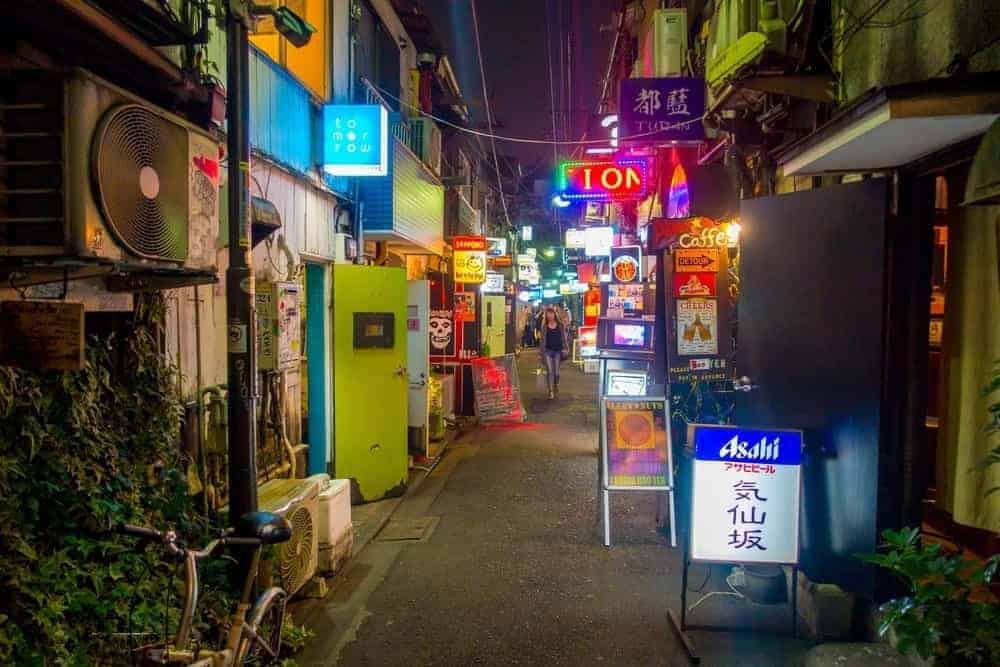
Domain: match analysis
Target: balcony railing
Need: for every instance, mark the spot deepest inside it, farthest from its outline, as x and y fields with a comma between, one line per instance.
x=401, y=128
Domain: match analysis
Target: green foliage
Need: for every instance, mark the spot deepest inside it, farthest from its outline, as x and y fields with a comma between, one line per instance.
x=294, y=637
x=80, y=452
x=949, y=613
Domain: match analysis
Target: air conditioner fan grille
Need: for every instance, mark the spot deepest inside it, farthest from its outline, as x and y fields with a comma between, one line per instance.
x=141, y=176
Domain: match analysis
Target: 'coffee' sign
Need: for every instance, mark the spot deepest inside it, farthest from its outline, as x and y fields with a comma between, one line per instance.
x=619, y=180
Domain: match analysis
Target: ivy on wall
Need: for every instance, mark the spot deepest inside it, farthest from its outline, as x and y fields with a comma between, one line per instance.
x=80, y=452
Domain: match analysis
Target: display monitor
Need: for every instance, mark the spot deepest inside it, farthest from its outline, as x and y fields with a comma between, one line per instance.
x=627, y=335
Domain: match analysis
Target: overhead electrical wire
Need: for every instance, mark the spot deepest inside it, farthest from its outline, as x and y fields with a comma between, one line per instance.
x=527, y=140
x=489, y=113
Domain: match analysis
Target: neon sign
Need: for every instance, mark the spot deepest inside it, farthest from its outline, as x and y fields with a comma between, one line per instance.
x=618, y=180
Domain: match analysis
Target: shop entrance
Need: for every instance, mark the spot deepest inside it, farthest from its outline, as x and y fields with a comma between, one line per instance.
x=370, y=379
x=811, y=340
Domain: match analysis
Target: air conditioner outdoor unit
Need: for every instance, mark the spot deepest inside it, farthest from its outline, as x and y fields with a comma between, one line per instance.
x=429, y=138
x=336, y=534
x=298, y=501
x=664, y=47
x=93, y=172
x=345, y=249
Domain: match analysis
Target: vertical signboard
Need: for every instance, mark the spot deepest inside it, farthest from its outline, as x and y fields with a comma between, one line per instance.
x=637, y=453
x=746, y=494
x=694, y=254
x=497, y=389
x=470, y=259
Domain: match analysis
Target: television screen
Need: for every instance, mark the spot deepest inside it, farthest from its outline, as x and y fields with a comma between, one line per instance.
x=629, y=335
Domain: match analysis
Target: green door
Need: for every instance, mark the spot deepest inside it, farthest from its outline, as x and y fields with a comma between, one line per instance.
x=370, y=379
x=494, y=324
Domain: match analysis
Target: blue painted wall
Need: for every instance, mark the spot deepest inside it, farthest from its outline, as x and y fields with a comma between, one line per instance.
x=284, y=119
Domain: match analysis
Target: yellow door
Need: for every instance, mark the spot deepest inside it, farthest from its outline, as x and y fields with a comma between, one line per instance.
x=370, y=380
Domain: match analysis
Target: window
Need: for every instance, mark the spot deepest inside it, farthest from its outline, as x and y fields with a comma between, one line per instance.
x=310, y=63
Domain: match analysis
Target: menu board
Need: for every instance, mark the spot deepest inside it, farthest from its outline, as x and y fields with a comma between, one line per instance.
x=42, y=334
x=497, y=390
x=637, y=454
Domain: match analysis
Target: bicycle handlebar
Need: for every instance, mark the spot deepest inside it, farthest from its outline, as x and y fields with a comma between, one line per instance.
x=169, y=540
x=140, y=531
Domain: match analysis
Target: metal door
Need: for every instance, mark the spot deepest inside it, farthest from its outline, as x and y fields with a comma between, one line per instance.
x=370, y=382
x=417, y=361
x=494, y=324
x=811, y=311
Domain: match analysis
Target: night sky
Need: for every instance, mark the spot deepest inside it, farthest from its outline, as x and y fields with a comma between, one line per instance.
x=513, y=35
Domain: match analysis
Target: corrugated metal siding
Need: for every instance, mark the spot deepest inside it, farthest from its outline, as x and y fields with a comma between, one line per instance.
x=281, y=114
x=408, y=202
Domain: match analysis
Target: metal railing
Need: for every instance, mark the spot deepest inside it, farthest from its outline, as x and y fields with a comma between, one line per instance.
x=401, y=128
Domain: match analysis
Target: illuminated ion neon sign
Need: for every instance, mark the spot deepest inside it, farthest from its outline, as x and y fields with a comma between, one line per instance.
x=617, y=180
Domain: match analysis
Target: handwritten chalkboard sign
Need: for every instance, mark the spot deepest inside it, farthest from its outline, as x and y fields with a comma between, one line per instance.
x=497, y=390
x=42, y=335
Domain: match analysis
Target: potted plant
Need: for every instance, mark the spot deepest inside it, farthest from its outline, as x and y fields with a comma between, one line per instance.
x=950, y=615
x=207, y=71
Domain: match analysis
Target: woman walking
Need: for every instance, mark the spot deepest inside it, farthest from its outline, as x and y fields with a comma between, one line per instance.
x=554, y=348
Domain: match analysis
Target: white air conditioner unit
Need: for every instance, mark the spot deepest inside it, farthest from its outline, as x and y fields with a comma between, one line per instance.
x=428, y=136
x=664, y=46
x=95, y=173
x=298, y=501
x=336, y=535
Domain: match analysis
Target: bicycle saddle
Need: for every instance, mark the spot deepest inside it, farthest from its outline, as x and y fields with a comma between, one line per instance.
x=267, y=527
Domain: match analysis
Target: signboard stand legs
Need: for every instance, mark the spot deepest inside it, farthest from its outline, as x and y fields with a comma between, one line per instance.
x=642, y=453
x=745, y=499
x=681, y=626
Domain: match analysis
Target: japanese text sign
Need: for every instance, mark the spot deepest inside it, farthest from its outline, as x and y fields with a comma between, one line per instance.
x=665, y=109
x=636, y=447
x=617, y=180
x=470, y=259
x=355, y=140
x=747, y=485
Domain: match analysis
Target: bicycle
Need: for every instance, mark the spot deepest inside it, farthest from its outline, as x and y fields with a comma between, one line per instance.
x=252, y=638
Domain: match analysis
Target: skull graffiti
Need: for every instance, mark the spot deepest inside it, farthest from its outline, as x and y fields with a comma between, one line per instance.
x=441, y=329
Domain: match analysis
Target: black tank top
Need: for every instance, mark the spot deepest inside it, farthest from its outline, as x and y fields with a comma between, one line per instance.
x=553, y=339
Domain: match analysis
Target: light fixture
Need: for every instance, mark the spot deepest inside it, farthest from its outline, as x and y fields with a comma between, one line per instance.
x=289, y=25
x=559, y=202
x=550, y=252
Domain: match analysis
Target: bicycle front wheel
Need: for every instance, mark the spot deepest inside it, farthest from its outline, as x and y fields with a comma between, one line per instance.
x=261, y=642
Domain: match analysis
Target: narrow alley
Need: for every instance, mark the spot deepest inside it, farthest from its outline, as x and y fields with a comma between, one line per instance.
x=508, y=568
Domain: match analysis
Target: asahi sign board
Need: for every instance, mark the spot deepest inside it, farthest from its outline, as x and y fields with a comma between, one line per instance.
x=746, y=494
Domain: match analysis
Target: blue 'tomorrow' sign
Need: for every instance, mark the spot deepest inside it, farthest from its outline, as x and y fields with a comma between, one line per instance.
x=733, y=444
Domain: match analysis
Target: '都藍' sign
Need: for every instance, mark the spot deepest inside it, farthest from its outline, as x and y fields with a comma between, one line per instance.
x=617, y=180
x=355, y=140
x=745, y=506
x=470, y=259
x=665, y=109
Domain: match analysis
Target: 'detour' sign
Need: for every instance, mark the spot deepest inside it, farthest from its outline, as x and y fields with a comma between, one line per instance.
x=664, y=109
x=618, y=180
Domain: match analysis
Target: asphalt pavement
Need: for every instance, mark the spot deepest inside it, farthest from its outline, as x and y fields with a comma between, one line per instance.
x=496, y=559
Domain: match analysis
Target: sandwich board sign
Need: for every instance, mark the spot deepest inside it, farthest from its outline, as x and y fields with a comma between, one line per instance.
x=746, y=494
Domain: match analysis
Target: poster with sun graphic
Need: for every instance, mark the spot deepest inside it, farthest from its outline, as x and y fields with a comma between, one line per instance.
x=636, y=454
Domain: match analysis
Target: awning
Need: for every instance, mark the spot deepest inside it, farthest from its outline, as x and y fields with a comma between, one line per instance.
x=894, y=126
